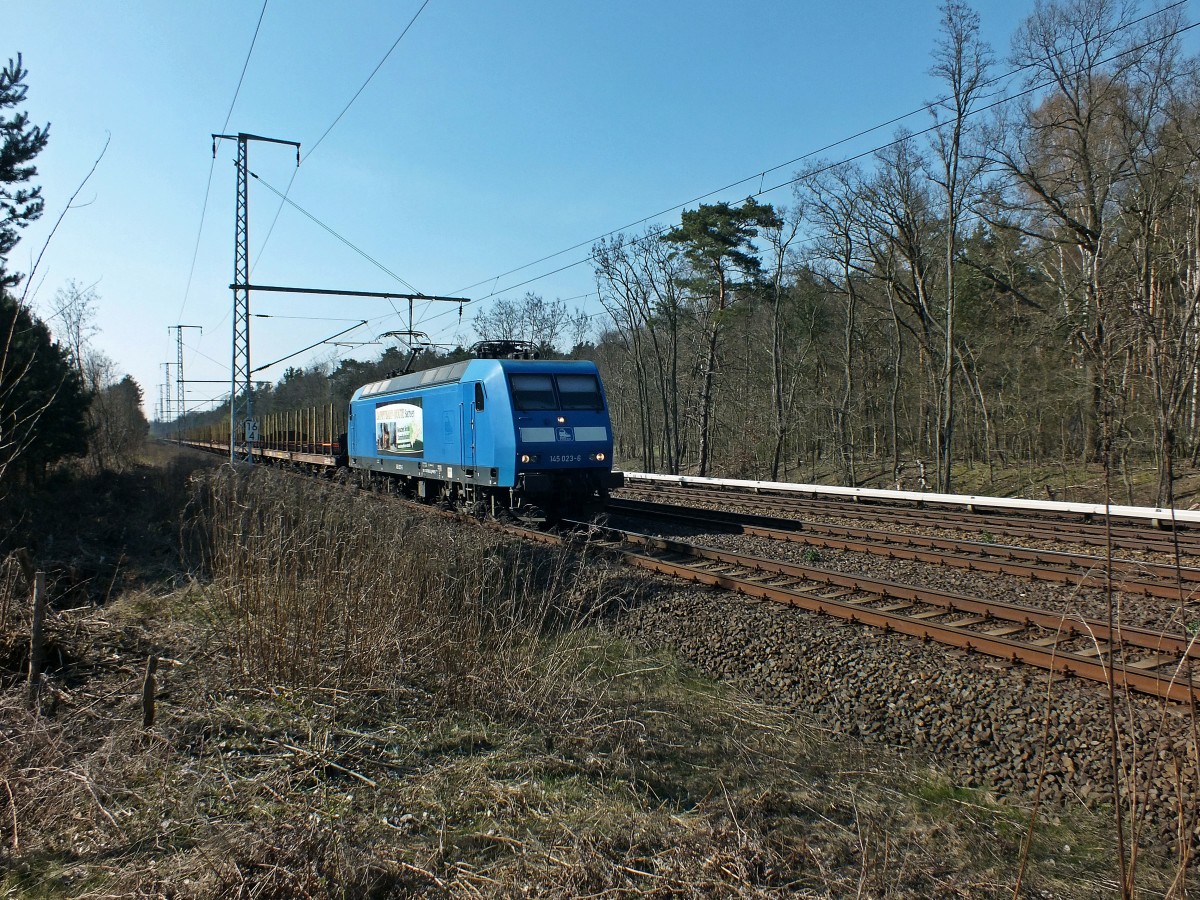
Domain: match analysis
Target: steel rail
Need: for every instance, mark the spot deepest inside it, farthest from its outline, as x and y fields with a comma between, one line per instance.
x=1129, y=576
x=952, y=602
x=1077, y=531
x=1159, y=516
x=919, y=512
x=999, y=642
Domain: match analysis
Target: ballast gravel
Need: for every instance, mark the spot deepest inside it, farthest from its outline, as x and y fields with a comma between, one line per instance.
x=1015, y=731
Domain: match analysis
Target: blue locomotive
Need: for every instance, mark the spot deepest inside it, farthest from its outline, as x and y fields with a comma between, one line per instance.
x=524, y=436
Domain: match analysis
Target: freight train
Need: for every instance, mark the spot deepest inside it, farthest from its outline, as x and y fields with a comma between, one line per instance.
x=523, y=436
x=517, y=436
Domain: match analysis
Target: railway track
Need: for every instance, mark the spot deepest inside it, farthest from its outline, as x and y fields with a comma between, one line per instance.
x=1061, y=528
x=1145, y=578
x=1141, y=660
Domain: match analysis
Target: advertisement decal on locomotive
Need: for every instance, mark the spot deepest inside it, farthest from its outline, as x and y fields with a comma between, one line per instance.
x=400, y=428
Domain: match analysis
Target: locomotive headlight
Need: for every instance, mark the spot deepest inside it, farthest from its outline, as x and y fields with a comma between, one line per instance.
x=598, y=457
x=529, y=457
x=562, y=420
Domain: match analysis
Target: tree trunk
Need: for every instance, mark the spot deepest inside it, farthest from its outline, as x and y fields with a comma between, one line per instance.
x=706, y=392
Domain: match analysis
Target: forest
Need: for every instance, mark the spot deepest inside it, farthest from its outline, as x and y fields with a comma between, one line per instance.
x=1014, y=284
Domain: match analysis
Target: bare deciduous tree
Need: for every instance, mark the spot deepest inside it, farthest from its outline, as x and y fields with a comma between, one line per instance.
x=74, y=321
x=640, y=287
x=961, y=61
x=117, y=425
x=532, y=318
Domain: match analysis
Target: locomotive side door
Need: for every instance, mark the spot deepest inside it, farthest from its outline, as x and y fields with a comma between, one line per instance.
x=475, y=426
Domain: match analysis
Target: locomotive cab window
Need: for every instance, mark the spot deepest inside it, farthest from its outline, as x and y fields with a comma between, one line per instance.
x=579, y=392
x=478, y=396
x=532, y=392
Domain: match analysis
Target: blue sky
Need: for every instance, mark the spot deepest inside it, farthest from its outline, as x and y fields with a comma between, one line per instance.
x=496, y=134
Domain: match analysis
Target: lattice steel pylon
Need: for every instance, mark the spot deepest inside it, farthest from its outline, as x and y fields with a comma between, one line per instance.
x=241, y=388
x=166, y=397
x=180, y=382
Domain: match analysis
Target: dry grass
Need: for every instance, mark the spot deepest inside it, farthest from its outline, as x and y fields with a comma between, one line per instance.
x=358, y=700
x=312, y=587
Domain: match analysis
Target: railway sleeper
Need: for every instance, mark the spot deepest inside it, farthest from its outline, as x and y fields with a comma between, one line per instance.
x=970, y=620
x=1005, y=630
x=1052, y=640
x=839, y=593
x=1153, y=662
x=784, y=581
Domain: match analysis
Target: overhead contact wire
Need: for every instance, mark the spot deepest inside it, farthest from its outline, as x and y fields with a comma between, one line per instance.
x=763, y=191
x=211, y=166
x=287, y=191
x=318, y=222
x=374, y=72
x=764, y=172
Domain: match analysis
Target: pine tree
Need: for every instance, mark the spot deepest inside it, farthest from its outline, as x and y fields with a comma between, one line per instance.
x=718, y=242
x=43, y=402
x=20, y=142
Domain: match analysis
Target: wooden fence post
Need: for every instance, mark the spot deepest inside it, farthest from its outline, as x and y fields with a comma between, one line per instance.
x=37, y=638
x=148, y=692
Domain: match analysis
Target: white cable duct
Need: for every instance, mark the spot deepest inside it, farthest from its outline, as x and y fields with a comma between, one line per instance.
x=1154, y=515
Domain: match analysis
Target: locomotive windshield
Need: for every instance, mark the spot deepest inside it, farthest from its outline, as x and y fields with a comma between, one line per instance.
x=579, y=392
x=538, y=392
x=532, y=392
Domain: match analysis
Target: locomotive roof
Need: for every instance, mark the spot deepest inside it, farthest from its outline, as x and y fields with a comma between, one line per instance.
x=456, y=371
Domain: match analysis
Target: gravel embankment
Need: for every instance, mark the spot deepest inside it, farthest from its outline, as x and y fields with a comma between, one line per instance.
x=988, y=724
x=1088, y=601
x=1074, y=600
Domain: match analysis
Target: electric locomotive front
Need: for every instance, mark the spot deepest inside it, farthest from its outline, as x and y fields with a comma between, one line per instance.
x=530, y=436
x=563, y=435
